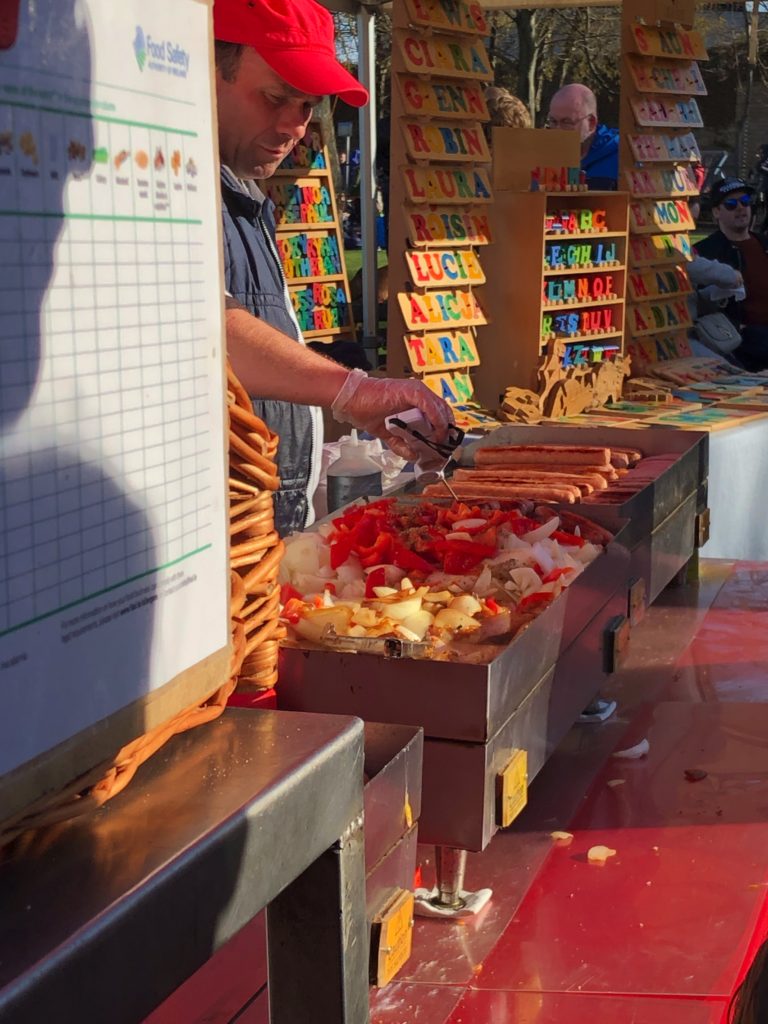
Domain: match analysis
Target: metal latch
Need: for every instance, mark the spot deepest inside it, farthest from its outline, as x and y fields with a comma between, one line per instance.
x=391, y=937
x=636, y=603
x=512, y=788
x=702, y=527
x=616, y=642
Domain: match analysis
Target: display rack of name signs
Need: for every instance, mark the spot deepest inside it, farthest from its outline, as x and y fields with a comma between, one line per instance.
x=310, y=241
x=660, y=85
x=440, y=192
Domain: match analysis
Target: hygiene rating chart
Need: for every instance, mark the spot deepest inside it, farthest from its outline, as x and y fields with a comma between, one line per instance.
x=112, y=476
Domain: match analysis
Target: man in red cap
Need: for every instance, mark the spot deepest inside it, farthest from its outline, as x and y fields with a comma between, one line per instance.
x=275, y=59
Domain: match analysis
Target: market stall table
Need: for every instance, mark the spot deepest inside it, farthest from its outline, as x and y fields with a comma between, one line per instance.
x=103, y=918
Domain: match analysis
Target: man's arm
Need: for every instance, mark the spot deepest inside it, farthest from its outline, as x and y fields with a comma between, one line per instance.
x=269, y=364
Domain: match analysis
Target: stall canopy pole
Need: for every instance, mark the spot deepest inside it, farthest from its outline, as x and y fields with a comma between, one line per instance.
x=367, y=74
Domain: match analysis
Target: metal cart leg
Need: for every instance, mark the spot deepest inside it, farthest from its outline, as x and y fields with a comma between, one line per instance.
x=450, y=867
x=317, y=937
x=450, y=899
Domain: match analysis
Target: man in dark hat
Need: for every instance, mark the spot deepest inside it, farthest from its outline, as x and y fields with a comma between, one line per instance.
x=735, y=244
x=275, y=59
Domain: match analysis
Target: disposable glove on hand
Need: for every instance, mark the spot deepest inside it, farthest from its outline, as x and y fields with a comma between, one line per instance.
x=365, y=402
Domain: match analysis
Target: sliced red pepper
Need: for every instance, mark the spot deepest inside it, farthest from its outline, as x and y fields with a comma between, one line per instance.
x=289, y=593
x=293, y=610
x=568, y=539
x=492, y=605
x=534, y=601
x=409, y=560
x=378, y=553
x=341, y=549
x=556, y=574
x=463, y=555
x=375, y=578
x=330, y=587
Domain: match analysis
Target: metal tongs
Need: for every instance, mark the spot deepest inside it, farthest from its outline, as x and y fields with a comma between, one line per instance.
x=412, y=424
x=388, y=646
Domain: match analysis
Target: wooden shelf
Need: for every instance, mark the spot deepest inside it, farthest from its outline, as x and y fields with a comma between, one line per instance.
x=590, y=304
x=581, y=235
x=321, y=225
x=587, y=194
x=302, y=281
x=615, y=268
x=577, y=339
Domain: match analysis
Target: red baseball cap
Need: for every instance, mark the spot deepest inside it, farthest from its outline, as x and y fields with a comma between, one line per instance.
x=295, y=37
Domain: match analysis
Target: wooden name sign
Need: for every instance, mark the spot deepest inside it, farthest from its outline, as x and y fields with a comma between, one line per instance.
x=558, y=179
x=440, y=267
x=649, y=113
x=654, y=284
x=579, y=255
x=448, y=16
x=307, y=255
x=437, y=226
x=438, y=140
x=440, y=309
x=661, y=215
x=673, y=43
x=320, y=307
x=678, y=180
x=442, y=55
x=301, y=202
x=652, y=317
x=582, y=322
x=453, y=388
x=648, y=250
x=446, y=185
x=577, y=290
x=449, y=350
x=429, y=97
x=580, y=354
x=683, y=78
x=575, y=222
x=664, y=148
x=657, y=348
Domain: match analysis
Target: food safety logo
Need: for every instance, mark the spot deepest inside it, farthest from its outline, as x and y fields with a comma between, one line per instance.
x=140, y=47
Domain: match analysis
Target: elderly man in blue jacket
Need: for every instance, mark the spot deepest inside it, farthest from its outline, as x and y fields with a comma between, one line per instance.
x=574, y=108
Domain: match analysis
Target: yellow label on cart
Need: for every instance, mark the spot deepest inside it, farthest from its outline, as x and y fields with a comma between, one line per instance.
x=513, y=788
x=395, y=930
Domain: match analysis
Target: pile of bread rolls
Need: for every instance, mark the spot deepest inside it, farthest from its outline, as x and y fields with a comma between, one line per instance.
x=554, y=472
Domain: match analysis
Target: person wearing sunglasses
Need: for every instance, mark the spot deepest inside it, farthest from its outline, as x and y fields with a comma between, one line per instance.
x=574, y=108
x=737, y=245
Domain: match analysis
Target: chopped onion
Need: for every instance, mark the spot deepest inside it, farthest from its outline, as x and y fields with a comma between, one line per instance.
x=458, y=535
x=634, y=753
x=543, y=531
x=599, y=854
x=470, y=524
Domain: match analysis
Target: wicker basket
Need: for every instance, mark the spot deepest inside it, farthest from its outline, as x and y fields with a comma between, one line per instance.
x=256, y=548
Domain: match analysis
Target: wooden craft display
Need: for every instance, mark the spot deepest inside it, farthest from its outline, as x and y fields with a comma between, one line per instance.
x=660, y=81
x=310, y=240
x=555, y=293
x=440, y=191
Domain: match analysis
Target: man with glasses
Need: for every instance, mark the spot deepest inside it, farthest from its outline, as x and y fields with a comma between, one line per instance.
x=735, y=244
x=574, y=108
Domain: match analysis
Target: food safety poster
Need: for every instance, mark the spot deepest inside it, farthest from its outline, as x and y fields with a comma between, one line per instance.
x=113, y=557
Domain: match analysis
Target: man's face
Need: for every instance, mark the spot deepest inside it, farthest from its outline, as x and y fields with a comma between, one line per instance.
x=569, y=114
x=261, y=118
x=734, y=214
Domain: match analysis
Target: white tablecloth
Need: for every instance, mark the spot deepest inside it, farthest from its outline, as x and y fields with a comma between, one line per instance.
x=738, y=492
